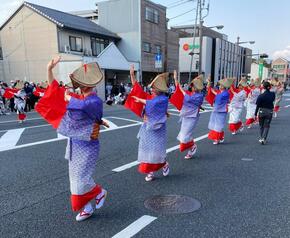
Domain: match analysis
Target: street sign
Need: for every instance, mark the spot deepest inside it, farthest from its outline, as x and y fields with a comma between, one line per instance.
x=158, y=61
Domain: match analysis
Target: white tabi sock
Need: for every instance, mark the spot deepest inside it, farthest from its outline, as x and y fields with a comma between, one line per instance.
x=88, y=207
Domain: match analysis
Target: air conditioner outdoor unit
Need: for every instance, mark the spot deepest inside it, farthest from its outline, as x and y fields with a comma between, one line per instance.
x=67, y=49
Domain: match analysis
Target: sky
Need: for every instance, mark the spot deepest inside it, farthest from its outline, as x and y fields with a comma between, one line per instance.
x=267, y=22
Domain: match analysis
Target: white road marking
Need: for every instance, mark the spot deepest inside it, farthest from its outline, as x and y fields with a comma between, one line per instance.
x=28, y=127
x=126, y=166
x=31, y=119
x=288, y=99
x=135, y=227
x=11, y=147
x=111, y=124
x=247, y=159
x=205, y=111
x=287, y=106
x=123, y=119
x=10, y=138
x=134, y=163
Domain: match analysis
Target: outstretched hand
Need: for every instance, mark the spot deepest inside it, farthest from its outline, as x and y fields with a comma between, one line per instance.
x=175, y=77
x=53, y=63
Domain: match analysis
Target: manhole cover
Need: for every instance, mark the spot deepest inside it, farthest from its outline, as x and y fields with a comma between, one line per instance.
x=172, y=204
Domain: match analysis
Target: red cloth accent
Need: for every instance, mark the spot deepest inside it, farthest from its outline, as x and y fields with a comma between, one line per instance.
x=79, y=201
x=233, y=127
x=210, y=97
x=250, y=121
x=215, y=135
x=236, y=90
x=276, y=108
x=247, y=90
x=21, y=116
x=177, y=98
x=130, y=103
x=185, y=146
x=52, y=105
x=38, y=91
x=85, y=68
x=9, y=93
x=146, y=168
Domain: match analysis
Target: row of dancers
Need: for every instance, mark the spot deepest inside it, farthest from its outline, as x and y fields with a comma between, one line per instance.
x=79, y=118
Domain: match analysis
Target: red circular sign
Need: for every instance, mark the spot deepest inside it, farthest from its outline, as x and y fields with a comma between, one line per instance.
x=186, y=47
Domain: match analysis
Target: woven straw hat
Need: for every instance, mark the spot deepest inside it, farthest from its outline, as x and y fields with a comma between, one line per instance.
x=19, y=85
x=243, y=82
x=198, y=82
x=88, y=75
x=160, y=82
x=226, y=82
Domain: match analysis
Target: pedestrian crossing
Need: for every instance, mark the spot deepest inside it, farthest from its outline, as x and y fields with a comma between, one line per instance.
x=41, y=134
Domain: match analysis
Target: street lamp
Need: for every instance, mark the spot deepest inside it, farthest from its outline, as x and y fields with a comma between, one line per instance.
x=239, y=43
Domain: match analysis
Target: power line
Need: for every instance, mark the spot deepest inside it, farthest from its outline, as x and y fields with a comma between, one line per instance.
x=182, y=14
x=178, y=4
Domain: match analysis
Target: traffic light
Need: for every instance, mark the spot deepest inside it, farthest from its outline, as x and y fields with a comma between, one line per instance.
x=263, y=56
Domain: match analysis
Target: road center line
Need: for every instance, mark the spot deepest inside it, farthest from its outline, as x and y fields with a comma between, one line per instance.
x=31, y=119
x=58, y=139
x=287, y=106
x=135, y=227
x=134, y=163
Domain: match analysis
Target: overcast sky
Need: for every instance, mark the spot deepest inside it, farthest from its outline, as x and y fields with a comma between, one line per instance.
x=265, y=21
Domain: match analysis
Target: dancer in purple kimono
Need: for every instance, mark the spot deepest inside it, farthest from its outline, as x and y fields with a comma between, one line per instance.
x=81, y=124
x=218, y=116
x=152, y=134
x=189, y=115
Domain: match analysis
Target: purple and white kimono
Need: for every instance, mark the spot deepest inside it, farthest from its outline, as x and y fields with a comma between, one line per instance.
x=152, y=135
x=189, y=116
x=82, y=152
x=218, y=116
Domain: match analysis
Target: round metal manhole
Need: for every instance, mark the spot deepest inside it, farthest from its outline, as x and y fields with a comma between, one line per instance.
x=172, y=204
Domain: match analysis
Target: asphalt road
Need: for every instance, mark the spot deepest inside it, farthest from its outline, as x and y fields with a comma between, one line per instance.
x=244, y=187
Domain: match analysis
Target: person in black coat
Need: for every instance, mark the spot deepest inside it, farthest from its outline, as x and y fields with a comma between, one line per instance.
x=264, y=110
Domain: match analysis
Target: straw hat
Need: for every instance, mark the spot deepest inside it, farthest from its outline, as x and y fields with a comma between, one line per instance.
x=257, y=82
x=226, y=82
x=160, y=82
x=19, y=85
x=243, y=82
x=88, y=75
x=198, y=82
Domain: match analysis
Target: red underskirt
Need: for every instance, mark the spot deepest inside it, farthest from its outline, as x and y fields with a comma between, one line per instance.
x=276, y=108
x=185, y=146
x=233, y=127
x=146, y=168
x=79, y=201
x=250, y=121
x=215, y=135
x=21, y=116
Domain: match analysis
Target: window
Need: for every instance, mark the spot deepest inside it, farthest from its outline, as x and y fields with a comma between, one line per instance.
x=158, y=49
x=76, y=44
x=146, y=47
x=98, y=45
x=152, y=15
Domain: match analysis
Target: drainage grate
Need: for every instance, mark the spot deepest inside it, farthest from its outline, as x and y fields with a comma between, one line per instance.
x=172, y=204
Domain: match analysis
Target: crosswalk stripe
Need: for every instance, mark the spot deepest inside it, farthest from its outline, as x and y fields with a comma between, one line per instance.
x=11, y=137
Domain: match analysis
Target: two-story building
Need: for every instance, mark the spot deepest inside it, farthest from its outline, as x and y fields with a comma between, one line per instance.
x=146, y=39
x=34, y=34
x=280, y=69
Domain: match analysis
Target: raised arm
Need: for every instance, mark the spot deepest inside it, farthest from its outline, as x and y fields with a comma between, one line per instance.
x=176, y=82
x=209, y=85
x=132, y=75
x=50, y=67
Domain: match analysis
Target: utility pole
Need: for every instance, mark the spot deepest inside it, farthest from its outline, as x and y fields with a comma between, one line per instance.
x=193, y=41
x=200, y=38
